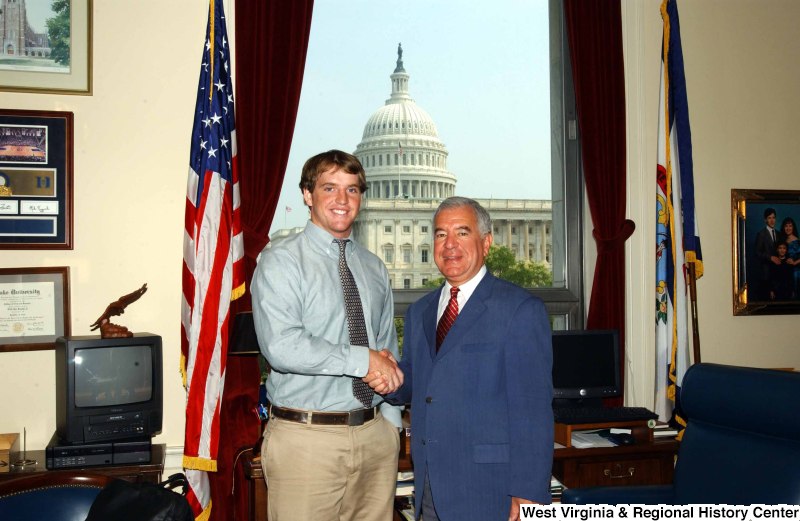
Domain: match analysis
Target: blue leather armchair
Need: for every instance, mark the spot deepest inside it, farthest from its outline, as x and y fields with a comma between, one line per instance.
x=51, y=496
x=741, y=444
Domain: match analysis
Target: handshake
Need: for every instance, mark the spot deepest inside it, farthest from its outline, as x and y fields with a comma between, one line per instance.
x=383, y=375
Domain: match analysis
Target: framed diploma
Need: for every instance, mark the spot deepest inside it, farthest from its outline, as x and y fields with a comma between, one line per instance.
x=34, y=307
x=36, y=180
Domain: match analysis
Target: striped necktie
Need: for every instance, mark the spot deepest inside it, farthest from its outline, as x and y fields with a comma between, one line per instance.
x=356, y=327
x=448, y=317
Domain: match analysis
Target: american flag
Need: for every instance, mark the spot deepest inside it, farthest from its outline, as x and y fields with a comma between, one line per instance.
x=213, y=271
x=677, y=234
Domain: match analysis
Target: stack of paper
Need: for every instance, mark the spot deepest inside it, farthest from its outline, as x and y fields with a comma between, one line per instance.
x=405, y=484
x=586, y=439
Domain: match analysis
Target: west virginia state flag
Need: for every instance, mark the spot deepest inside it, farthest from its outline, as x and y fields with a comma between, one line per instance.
x=677, y=237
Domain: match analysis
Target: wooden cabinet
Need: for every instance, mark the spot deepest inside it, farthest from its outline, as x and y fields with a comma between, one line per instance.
x=135, y=472
x=647, y=463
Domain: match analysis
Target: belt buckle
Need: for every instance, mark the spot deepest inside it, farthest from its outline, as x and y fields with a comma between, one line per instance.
x=353, y=418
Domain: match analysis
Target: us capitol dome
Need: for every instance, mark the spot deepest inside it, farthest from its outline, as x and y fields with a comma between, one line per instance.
x=407, y=177
x=401, y=147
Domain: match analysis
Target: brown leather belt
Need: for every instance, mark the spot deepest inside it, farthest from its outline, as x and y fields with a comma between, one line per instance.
x=350, y=418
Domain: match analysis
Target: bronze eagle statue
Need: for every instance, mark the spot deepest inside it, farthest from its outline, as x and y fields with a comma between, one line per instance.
x=109, y=330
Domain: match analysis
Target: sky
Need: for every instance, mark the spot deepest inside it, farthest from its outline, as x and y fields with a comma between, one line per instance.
x=38, y=11
x=480, y=69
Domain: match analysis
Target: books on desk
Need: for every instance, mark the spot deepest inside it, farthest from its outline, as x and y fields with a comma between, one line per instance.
x=664, y=430
x=556, y=488
x=405, y=484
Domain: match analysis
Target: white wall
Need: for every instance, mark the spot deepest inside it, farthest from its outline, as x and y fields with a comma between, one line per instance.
x=132, y=145
x=131, y=162
x=742, y=79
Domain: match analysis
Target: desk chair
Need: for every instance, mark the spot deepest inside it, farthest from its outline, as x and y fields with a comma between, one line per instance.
x=741, y=445
x=54, y=496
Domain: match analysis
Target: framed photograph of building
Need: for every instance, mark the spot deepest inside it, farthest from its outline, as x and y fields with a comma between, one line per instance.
x=34, y=307
x=46, y=46
x=36, y=158
x=766, y=251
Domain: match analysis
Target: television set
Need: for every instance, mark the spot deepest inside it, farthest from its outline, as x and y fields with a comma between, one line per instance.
x=585, y=367
x=108, y=389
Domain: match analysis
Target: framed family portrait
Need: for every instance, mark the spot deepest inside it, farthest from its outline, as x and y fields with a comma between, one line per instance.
x=766, y=251
x=47, y=46
x=36, y=154
x=34, y=307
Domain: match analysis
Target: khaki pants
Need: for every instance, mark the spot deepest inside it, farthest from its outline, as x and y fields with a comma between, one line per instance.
x=330, y=473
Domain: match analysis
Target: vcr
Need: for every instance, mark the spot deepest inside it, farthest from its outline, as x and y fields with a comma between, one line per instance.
x=59, y=455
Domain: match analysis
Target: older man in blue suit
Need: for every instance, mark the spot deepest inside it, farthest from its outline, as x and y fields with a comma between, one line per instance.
x=477, y=360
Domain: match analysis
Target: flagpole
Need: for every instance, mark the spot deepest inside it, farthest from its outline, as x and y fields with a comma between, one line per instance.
x=693, y=299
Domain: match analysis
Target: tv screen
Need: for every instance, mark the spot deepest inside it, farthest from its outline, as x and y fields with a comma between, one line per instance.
x=586, y=365
x=108, y=389
x=113, y=376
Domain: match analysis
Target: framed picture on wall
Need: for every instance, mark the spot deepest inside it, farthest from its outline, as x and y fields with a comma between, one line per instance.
x=34, y=307
x=47, y=47
x=766, y=251
x=36, y=179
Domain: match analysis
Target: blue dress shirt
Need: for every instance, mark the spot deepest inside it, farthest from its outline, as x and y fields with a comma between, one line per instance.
x=301, y=321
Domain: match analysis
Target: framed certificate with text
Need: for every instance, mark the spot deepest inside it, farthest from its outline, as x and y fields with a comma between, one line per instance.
x=36, y=154
x=34, y=307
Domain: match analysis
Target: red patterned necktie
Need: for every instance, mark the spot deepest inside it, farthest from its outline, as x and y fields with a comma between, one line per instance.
x=448, y=317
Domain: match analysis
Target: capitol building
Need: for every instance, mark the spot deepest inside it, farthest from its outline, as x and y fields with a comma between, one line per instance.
x=407, y=178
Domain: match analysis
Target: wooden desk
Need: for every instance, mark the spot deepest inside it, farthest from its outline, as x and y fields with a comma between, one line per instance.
x=645, y=463
x=135, y=472
x=256, y=487
x=648, y=463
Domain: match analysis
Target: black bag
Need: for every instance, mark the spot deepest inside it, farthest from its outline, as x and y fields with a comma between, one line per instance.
x=125, y=501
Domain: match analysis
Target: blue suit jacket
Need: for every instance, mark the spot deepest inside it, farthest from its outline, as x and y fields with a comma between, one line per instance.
x=481, y=415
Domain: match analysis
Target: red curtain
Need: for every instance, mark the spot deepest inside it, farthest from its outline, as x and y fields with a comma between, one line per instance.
x=594, y=29
x=271, y=44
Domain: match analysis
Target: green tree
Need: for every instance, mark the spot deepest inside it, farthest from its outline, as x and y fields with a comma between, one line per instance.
x=399, y=325
x=434, y=283
x=58, y=32
x=502, y=264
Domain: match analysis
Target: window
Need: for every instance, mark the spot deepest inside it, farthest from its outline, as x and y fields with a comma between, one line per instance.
x=387, y=228
x=406, y=228
x=406, y=283
x=522, y=109
x=388, y=254
x=424, y=256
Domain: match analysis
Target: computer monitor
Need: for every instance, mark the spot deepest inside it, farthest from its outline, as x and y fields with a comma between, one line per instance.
x=585, y=367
